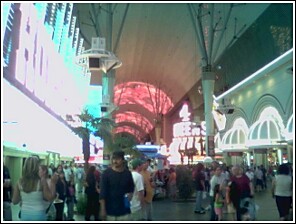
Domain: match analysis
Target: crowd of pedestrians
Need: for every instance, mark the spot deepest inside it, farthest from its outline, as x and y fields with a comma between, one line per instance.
x=232, y=190
x=125, y=191
x=41, y=191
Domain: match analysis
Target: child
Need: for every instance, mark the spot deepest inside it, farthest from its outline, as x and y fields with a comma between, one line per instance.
x=218, y=204
x=231, y=200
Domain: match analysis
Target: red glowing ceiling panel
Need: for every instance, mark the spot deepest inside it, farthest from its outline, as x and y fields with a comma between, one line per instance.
x=128, y=129
x=144, y=94
x=135, y=118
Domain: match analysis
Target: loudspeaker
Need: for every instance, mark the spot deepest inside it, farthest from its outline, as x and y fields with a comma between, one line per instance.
x=93, y=63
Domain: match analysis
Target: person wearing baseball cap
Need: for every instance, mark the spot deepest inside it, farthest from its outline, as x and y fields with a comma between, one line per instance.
x=136, y=163
x=137, y=201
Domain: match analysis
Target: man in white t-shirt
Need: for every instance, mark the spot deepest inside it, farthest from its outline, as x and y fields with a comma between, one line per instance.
x=137, y=202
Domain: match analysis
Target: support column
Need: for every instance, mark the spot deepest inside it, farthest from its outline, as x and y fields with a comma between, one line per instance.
x=280, y=156
x=248, y=159
x=108, y=81
x=290, y=153
x=208, y=82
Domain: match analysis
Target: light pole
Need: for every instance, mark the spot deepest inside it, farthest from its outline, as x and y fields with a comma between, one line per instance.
x=208, y=82
x=97, y=59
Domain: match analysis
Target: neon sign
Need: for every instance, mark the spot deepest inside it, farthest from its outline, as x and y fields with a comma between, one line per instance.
x=186, y=128
x=187, y=135
x=41, y=69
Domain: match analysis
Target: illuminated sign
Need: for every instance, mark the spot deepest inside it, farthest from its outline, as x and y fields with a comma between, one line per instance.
x=186, y=128
x=187, y=135
x=42, y=70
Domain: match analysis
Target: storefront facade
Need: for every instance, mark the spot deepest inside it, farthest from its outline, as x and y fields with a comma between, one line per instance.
x=260, y=129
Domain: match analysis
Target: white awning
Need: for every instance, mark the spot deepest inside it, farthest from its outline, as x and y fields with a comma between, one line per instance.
x=267, y=132
x=289, y=131
x=235, y=138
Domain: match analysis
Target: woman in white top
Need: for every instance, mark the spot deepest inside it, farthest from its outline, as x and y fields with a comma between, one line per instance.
x=32, y=190
x=282, y=187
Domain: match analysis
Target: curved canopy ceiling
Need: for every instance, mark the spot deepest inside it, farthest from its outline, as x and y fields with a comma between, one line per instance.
x=162, y=46
x=152, y=98
x=139, y=94
x=135, y=118
x=128, y=129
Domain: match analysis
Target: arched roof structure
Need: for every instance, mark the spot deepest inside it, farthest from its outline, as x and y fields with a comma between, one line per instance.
x=129, y=130
x=135, y=95
x=137, y=109
x=132, y=125
x=135, y=118
x=151, y=97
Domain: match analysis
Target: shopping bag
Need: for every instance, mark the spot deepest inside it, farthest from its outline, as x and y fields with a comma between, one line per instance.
x=51, y=212
x=248, y=209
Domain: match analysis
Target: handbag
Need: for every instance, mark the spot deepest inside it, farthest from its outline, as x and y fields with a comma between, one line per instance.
x=51, y=212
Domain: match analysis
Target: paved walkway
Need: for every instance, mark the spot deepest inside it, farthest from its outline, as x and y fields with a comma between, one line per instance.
x=167, y=210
